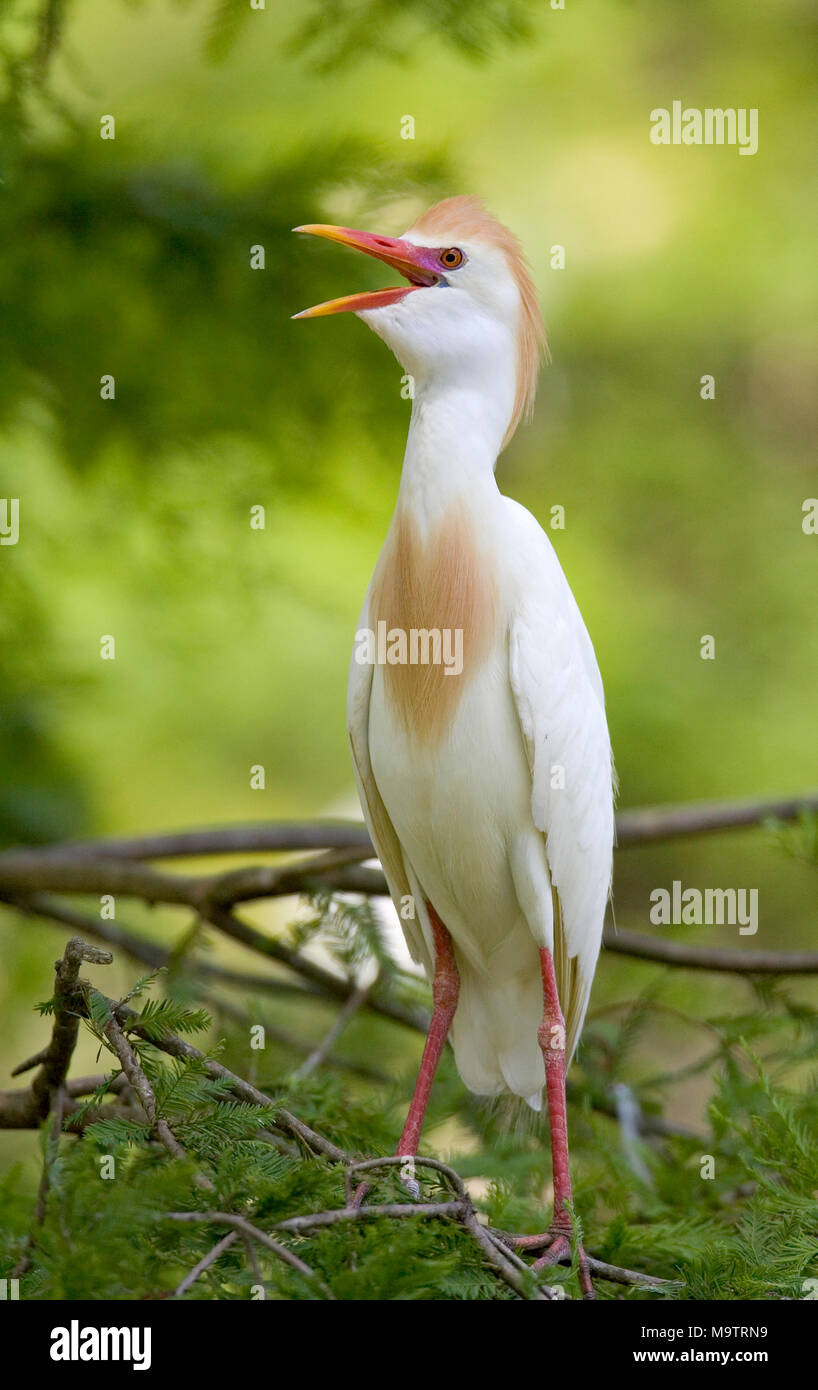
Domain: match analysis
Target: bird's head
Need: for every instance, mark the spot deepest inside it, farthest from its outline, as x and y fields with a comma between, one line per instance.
x=468, y=314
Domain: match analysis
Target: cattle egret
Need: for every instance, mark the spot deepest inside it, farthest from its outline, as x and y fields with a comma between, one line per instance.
x=486, y=783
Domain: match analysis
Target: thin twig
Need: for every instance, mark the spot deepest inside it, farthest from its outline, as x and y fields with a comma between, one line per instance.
x=130, y=1064
x=320, y=1054
x=52, y=1148
x=245, y=1228
x=205, y=1262
x=254, y=1264
x=296, y=1044
x=399, y=1161
x=505, y=1267
x=319, y=1220
x=509, y=1268
x=47, y=1088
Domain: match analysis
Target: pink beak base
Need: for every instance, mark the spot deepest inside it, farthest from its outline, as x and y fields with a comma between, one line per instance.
x=402, y=256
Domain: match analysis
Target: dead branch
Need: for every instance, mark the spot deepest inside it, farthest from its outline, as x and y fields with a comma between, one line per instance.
x=28, y=1107
x=646, y=825
x=213, y=1254
x=641, y=825
x=116, y=867
x=314, y=979
x=47, y=1092
x=629, y=943
x=142, y=1088
x=56, y=1059
x=244, y=1227
x=327, y=980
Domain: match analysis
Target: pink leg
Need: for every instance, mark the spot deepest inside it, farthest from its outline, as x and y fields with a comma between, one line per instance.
x=445, y=992
x=552, y=1042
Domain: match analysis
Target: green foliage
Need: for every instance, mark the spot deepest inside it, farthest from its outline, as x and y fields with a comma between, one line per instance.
x=338, y=33
x=799, y=839
x=749, y=1231
x=350, y=931
x=131, y=257
x=683, y=517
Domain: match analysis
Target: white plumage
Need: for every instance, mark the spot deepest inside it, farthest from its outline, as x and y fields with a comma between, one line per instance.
x=492, y=801
x=514, y=798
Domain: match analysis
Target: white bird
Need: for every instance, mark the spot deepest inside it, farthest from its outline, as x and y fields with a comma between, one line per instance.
x=487, y=782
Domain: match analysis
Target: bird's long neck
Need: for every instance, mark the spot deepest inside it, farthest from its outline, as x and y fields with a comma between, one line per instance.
x=455, y=436
x=435, y=572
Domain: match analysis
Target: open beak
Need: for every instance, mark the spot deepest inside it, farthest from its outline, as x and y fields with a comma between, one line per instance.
x=410, y=260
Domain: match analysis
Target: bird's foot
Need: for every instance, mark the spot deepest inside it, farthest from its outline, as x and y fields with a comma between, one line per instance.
x=556, y=1246
x=522, y=1244
x=408, y=1175
x=359, y=1195
x=408, y=1182
x=559, y=1250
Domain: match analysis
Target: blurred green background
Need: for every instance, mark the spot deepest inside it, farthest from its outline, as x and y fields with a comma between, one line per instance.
x=131, y=257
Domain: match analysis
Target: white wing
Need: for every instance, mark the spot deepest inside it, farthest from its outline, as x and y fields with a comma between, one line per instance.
x=561, y=706
x=381, y=830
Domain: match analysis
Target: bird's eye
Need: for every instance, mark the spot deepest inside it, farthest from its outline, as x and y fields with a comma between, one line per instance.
x=451, y=258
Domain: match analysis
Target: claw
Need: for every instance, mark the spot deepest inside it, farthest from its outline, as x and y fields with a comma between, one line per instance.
x=557, y=1250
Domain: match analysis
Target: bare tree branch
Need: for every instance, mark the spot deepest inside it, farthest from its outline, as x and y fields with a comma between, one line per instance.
x=206, y=895
x=27, y=871
x=139, y=948
x=640, y=825
x=629, y=943
x=646, y=825
x=262, y=837
x=20, y=1110
x=319, y=1220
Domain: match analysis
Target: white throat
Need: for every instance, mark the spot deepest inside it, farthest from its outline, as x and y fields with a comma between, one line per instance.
x=455, y=435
